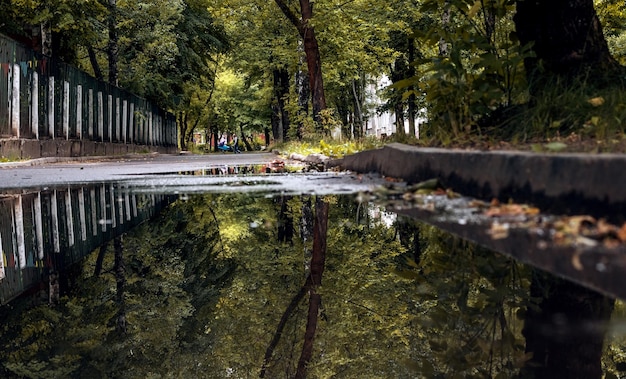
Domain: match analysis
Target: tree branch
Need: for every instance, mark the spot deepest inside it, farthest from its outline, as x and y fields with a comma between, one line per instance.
x=281, y=325
x=290, y=15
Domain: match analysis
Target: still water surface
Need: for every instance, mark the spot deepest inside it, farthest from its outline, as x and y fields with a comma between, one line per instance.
x=105, y=282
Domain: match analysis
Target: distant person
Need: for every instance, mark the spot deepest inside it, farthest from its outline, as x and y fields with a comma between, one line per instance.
x=236, y=144
x=222, y=144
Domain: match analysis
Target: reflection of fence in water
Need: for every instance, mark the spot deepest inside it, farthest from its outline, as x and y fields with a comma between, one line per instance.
x=47, y=231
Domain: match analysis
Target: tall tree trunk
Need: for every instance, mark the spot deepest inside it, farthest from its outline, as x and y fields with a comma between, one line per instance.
x=412, y=108
x=100, y=259
x=312, y=282
x=183, y=126
x=409, y=234
x=357, y=131
x=93, y=59
x=306, y=232
x=285, y=221
x=46, y=38
x=399, y=71
x=399, y=112
x=566, y=36
x=318, y=260
x=277, y=122
x=216, y=137
x=284, y=93
x=266, y=132
x=313, y=59
x=303, y=90
x=565, y=331
x=120, y=278
x=113, y=47
x=291, y=308
x=280, y=116
x=311, y=51
x=245, y=139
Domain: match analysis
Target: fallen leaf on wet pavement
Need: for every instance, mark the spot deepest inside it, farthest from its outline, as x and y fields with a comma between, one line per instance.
x=498, y=231
x=621, y=233
x=511, y=210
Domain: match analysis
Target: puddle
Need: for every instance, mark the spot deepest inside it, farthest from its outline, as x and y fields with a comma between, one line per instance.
x=275, y=167
x=171, y=277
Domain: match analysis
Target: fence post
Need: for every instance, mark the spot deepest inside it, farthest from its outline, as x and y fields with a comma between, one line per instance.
x=15, y=100
x=125, y=121
x=66, y=109
x=100, y=116
x=90, y=118
x=131, y=125
x=34, y=104
x=110, y=113
x=79, y=111
x=51, y=106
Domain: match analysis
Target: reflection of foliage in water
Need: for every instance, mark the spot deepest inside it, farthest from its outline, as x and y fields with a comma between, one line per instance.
x=469, y=301
x=361, y=321
x=208, y=281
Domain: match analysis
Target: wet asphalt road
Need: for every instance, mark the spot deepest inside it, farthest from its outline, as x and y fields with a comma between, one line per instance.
x=43, y=172
x=177, y=174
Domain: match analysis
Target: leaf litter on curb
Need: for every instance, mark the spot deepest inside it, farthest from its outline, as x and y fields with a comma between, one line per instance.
x=582, y=231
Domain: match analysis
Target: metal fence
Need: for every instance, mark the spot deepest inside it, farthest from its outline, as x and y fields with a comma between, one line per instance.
x=43, y=98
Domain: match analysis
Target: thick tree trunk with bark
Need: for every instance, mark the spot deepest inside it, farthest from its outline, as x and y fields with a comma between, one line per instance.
x=312, y=282
x=280, y=116
x=311, y=50
x=318, y=261
x=100, y=260
x=93, y=59
x=565, y=331
x=120, y=278
x=303, y=90
x=566, y=35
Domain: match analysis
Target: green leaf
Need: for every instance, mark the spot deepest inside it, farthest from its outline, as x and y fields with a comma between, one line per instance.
x=555, y=146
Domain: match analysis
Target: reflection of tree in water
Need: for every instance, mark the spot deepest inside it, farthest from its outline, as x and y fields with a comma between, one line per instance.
x=214, y=287
x=565, y=330
x=518, y=321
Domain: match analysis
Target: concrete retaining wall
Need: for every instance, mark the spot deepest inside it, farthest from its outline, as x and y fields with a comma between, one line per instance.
x=14, y=149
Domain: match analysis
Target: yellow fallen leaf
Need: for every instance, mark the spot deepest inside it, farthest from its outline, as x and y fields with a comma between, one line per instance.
x=498, y=231
x=576, y=262
x=596, y=101
x=621, y=233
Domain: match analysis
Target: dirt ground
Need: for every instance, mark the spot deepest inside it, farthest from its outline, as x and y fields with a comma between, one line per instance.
x=573, y=143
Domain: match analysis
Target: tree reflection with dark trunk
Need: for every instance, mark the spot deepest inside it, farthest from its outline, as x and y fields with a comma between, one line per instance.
x=228, y=285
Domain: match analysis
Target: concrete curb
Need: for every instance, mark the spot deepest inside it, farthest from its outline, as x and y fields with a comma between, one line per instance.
x=557, y=183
